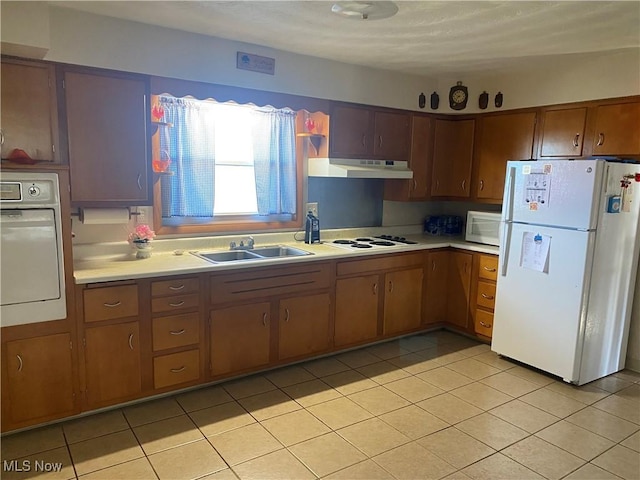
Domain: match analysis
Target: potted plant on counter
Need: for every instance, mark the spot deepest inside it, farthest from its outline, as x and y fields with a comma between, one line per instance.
x=141, y=238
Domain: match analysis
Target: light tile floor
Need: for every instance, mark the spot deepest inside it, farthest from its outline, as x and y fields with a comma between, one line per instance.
x=435, y=405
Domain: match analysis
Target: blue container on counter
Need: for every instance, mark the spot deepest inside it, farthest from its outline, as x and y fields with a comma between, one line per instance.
x=443, y=225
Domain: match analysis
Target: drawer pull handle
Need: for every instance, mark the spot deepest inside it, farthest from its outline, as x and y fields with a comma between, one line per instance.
x=131, y=341
x=488, y=297
x=19, y=363
x=112, y=305
x=177, y=304
x=179, y=287
x=178, y=370
x=489, y=269
x=485, y=325
x=286, y=314
x=177, y=332
x=264, y=319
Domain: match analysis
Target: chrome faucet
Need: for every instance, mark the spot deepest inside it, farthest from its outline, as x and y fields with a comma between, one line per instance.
x=243, y=246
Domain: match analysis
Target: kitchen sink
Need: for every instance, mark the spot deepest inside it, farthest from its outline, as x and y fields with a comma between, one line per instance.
x=259, y=253
x=280, y=251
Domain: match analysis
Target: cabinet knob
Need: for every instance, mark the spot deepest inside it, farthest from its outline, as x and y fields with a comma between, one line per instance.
x=600, y=139
x=464, y=184
x=481, y=185
x=1, y=137
x=390, y=286
x=485, y=325
x=264, y=319
x=489, y=269
x=363, y=139
x=286, y=314
x=177, y=332
x=131, y=341
x=139, y=181
x=375, y=289
x=179, y=287
x=379, y=140
x=19, y=362
x=576, y=140
x=113, y=305
x=488, y=297
x=177, y=304
x=177, y=370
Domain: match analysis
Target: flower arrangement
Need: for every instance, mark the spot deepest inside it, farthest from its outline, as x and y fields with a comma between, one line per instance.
x=142, y=234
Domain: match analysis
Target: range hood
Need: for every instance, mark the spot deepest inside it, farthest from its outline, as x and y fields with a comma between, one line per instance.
x=358, y=168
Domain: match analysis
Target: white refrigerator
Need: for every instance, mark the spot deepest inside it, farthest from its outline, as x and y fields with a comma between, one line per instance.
x=567, y=266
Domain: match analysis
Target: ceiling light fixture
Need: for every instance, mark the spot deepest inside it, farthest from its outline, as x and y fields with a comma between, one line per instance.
x=365, y=10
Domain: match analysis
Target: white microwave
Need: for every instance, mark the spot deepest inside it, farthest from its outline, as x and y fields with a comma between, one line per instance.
x=483, y=227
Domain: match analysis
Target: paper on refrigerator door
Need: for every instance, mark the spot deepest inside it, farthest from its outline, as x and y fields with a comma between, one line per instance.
x=535, y=252
x=536, y=190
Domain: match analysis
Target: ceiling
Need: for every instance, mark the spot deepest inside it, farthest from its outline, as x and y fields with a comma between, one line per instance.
x=430, y=38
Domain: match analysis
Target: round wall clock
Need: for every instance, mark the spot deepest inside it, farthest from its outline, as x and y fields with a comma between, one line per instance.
x=458, y=96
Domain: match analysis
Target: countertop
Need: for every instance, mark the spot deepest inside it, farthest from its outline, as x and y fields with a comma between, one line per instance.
x=105, y=262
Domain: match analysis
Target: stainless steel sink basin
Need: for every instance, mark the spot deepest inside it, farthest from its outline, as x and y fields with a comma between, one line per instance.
x=280, y=251
x=228, y=256
x=259, y=253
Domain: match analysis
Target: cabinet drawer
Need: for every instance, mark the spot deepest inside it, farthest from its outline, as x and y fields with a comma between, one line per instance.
x=176, y=368
x=486, y=295
x=175, y=302
x=236, y=287
x=173, y=287
x=484, y=323
x=110, y=302
x=381, y=262
x=175, y=331
x=488, y=267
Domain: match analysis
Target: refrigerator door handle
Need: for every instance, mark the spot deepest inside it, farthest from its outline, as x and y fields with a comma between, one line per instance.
x=505, y=242
x=509, y=192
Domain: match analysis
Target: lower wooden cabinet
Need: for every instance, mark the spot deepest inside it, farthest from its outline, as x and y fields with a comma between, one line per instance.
x=459, y=283
x=303, y=325
x=484, y=293
x=402, y=300
x=240, y=337
x=112, y=363
x=435, y=295
x=356, y=323
x=39, y=376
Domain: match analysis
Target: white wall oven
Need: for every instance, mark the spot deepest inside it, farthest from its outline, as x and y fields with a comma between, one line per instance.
x=32, y=287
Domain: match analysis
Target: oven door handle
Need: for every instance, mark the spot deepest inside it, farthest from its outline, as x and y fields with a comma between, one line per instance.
x=11, y=213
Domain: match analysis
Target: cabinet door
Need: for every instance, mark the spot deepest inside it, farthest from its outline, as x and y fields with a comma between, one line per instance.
x=435, y=297
x=40, y=378
x=617, y=129
x=391, y=136
x=350, y=132
x=240, y=338
x=106, y=121
x=420, y=162
x=452, y=156
x=303, y=325
x=112, y=363
x=459, y=288
x=502, y=138
x=403, y=300
x=563, y=132
x=356, y=318
x=29, y=117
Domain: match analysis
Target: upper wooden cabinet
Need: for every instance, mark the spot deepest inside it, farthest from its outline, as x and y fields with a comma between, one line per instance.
x=420, y=162
x=107, y=130
x=563, y=132
x=501, y=138
x=452, y=157
x=617, y=129
x=360, y=132
x=29, y=118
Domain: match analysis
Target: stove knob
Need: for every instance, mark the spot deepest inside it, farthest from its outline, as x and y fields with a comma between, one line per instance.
x=33, y=191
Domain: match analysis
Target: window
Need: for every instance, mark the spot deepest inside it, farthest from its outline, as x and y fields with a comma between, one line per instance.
x=233, y=167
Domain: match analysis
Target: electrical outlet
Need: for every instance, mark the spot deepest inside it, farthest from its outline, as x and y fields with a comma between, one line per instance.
x=313, y=208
